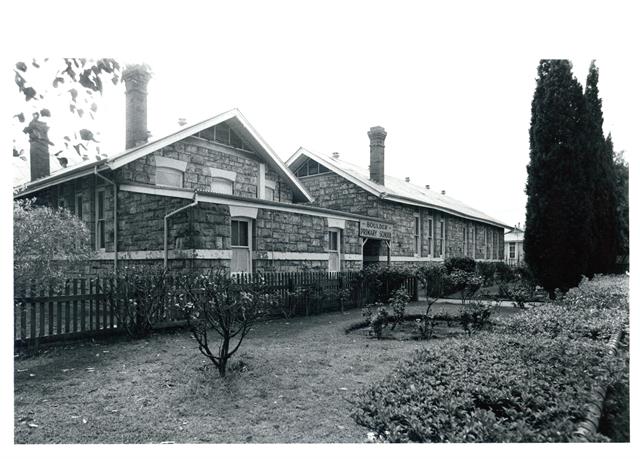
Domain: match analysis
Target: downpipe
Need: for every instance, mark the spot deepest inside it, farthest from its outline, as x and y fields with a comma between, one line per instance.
x=115, y=217
x=166, y=232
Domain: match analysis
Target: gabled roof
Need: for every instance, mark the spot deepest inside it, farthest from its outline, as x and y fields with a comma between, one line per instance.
x=233, y=118
x=394, y=189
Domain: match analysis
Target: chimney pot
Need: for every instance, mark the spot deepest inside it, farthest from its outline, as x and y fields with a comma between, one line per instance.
x=443, y=192
x=182, y=121
x=377, y=134
x=335, y=154
x=136, y=78
x=428, y=187
x=38, y=148
x=407, y=179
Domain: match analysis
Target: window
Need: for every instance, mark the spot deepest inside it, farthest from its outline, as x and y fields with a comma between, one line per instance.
x=334, y=250
x=430, y=235
x=79, y=206
x=221, y=185
x=222, y=180
x=416, y=235
x=62, y=203
x=100, y=198
x=495, y=245
x=487, y=243
x=441, y=239
x=223, y=134
x=512, y=250
x=465, y=245
x=240, y=245
x=472, y=241
x=269, y=194
x=310, y=167
x=169, y=177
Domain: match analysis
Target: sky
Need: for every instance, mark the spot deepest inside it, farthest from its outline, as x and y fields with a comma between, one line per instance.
x=451, y=85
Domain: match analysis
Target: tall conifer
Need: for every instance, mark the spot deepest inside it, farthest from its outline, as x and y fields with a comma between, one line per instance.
x=559, y=229
x=600, y=171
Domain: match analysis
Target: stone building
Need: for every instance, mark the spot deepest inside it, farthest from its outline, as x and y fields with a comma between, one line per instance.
x=514, y=246
x=427, y=225
x=211, y=194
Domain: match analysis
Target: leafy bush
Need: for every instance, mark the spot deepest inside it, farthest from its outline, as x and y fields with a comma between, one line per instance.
x=520, y=293
x=465, y=282
x=487, y=270
x=466, y=264
x=398, y=303
x=595, y=310
x=378, y=318
x=46, y=242
x=140, y=296
x=504, y=272
x=474, y=317
x=383, y=280
x=215, y=302
x=491, y=388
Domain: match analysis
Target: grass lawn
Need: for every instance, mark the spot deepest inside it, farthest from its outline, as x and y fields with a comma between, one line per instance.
x=295, y=377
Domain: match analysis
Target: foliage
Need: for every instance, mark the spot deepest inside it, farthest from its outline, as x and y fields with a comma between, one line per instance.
x=378, y=318
x=465, y=282
x=466, y=264
x=46, y=242
x=558, y=229
x=474, y=317
x=491, y=388
x=602, y=256
x=78, y=80
x=520, y=292
x=425, y=326
x=384, y=279
x=398, y=302
x=213, y=301
x=621, y=191
x=140, y=295
x=487, y=270
x=594, y=310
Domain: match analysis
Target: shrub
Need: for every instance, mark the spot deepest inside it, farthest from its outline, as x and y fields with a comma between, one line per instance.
x=398, y=303
x=465, y=282
x=378, y=318
x=466, y=264
x=140, y=296
x=491, y=388
x=384, y=279
x=215, y=302
x=474, y=317
x=504, y=272
x=520, y=293
x=487, y=270
x=595, y=310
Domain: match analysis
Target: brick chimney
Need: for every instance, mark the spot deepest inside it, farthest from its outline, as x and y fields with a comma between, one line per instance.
x=38, y=148
x=377, y=135
x=136, y=78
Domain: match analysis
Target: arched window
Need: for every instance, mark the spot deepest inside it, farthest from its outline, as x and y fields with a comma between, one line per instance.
x=222, y=181
x=170, y=172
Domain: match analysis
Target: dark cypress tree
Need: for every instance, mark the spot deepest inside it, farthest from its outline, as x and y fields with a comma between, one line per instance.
x=621, y=191
x=558, y=230
x=600, y=171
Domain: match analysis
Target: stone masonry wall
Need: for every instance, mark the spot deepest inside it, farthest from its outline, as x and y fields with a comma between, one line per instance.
x=332, y=191
x=200, y=155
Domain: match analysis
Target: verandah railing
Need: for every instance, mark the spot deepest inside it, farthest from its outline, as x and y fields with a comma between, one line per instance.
x=82, y=307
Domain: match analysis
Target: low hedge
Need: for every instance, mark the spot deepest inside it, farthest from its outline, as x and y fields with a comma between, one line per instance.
x=493, y=388
x=596, y=309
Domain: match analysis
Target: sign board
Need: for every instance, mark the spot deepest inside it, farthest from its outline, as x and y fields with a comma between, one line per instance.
x=375, y=230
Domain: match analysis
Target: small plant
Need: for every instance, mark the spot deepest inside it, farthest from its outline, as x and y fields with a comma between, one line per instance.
x=425, y=326
x=378, y=318
x=474, y=317
x=398, y=302
x=214, y=302
x=467, y=283
x=519, y=293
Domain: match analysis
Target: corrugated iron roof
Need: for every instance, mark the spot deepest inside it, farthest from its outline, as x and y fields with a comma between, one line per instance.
x=394, y=189
x=233, y=117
